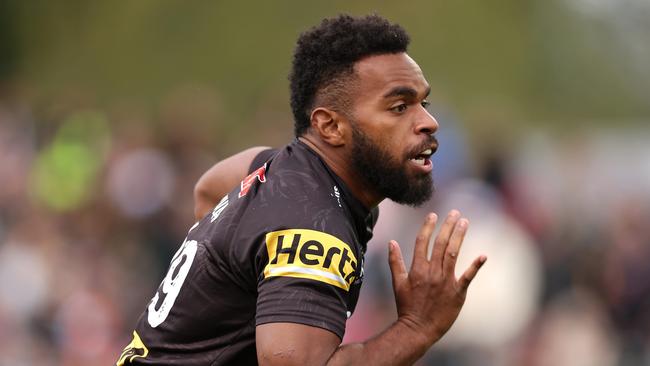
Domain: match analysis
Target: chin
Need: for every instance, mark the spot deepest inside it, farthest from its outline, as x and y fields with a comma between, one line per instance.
x=419, y=191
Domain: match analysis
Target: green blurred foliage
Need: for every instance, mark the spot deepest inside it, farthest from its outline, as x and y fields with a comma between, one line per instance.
x=64, y=174
x=498, y=64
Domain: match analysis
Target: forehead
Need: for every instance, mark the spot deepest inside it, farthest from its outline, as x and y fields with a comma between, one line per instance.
x=381, y=73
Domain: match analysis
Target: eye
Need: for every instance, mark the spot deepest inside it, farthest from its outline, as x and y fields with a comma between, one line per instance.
x=399, y=108
x=425, y=104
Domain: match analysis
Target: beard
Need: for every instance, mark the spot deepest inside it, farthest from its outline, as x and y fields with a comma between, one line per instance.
x=387, y=175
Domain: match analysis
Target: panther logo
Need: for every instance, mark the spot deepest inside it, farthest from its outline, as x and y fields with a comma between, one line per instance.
x=134, y=349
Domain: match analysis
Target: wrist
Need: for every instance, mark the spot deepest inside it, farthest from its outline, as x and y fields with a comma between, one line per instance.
x=422, y=337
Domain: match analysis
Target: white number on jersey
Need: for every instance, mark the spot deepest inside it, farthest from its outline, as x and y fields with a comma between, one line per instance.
x=171, y=285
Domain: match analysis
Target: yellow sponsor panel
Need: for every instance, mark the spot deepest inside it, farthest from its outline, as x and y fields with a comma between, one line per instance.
x=134, y=349
x=310, y=254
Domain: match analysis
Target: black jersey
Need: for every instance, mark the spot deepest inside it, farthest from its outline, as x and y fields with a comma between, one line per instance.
x=287, y=245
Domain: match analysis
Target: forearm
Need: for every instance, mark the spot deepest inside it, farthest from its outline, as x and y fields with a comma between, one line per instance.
x=400, y=344
x=428, y=297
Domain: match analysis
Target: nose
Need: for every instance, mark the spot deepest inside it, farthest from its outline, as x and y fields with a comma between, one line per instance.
x=426, y=124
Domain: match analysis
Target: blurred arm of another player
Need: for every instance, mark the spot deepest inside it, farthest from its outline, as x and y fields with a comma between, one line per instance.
x=429, y=298
x=221, y=178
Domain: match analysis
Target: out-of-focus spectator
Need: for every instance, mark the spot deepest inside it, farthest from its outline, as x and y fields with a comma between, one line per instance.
x=96, y=190
x=141, y=182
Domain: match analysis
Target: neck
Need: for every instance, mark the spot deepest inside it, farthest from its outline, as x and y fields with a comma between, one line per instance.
x=340, y=165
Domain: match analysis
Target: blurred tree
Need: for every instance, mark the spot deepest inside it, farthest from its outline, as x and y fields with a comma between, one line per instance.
x=503, y=62
x=8, y=42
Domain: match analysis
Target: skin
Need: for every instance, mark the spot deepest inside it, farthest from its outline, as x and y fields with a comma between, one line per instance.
x=220, y=179
x=397, y=121
x=389, y=107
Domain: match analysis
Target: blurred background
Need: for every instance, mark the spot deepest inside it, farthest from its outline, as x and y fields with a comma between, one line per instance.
x=110, y=112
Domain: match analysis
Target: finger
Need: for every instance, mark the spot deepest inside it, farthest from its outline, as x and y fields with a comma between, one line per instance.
x=396, y=263
x=440, y=244
x=453, y=248
x=423, y=239
x=471, y=272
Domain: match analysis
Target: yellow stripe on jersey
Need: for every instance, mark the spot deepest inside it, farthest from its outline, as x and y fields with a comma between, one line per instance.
x=310, y=254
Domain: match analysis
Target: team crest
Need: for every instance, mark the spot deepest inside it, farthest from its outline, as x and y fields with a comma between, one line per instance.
x=134, y=349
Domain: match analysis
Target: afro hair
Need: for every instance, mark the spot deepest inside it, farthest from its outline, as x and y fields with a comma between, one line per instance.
x=324, y=58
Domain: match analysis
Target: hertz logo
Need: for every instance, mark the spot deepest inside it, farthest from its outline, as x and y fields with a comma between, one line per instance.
x=310, y=254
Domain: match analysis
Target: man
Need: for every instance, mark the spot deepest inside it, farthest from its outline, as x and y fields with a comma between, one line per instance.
x=273, y=271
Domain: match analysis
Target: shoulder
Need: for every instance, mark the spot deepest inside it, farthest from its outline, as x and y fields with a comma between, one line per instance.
x=315, y=240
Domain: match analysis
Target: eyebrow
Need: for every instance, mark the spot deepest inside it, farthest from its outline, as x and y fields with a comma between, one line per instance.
x=405, y=91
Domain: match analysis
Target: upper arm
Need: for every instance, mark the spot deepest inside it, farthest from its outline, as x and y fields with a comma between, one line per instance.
x=294, y=344
x=305, y=294
x=221, y=178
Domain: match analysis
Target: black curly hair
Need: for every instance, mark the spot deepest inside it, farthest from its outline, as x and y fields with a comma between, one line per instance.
x=324, y=58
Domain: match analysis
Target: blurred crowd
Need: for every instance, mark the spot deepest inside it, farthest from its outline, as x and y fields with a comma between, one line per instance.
x=92, y=207
x=563, y=221
x=94, y=202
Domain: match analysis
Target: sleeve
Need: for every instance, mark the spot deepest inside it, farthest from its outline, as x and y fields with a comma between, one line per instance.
x=307, y=279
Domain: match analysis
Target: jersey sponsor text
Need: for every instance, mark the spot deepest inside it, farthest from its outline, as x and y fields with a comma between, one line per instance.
x=310, y=254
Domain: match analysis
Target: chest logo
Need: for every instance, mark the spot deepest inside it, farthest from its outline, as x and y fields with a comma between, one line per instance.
x=247, y=183
x=310, y=254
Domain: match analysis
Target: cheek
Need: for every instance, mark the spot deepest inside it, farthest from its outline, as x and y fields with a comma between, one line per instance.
x=393, y=148
x=394, y=143
x=388, y=134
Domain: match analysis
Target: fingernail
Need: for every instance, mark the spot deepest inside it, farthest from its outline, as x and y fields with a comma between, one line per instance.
x=462, y=223
x=482, y=259
x=454, y=213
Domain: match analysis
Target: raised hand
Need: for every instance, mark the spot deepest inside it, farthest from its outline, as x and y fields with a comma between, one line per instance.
x=429, y=296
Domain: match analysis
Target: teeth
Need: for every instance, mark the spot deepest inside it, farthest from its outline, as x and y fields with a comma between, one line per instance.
x=427, y=152
x=419, y=161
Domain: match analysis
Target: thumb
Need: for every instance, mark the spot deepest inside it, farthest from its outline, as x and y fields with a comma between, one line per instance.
x=396, y=262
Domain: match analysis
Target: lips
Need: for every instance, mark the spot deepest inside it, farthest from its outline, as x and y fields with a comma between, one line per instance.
x=422, y=157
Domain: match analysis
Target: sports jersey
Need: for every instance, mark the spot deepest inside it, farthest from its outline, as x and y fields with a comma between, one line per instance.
x=287, y=245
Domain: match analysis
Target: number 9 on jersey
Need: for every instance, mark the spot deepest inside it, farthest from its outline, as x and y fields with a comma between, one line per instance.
x=168, y=290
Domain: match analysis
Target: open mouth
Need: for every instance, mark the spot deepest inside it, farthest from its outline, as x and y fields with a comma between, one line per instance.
x=423, y=157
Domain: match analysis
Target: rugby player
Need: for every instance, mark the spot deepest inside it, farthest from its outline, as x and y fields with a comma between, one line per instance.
x=272, y=269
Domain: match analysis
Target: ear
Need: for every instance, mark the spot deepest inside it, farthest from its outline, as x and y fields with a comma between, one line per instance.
x=329, y=125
